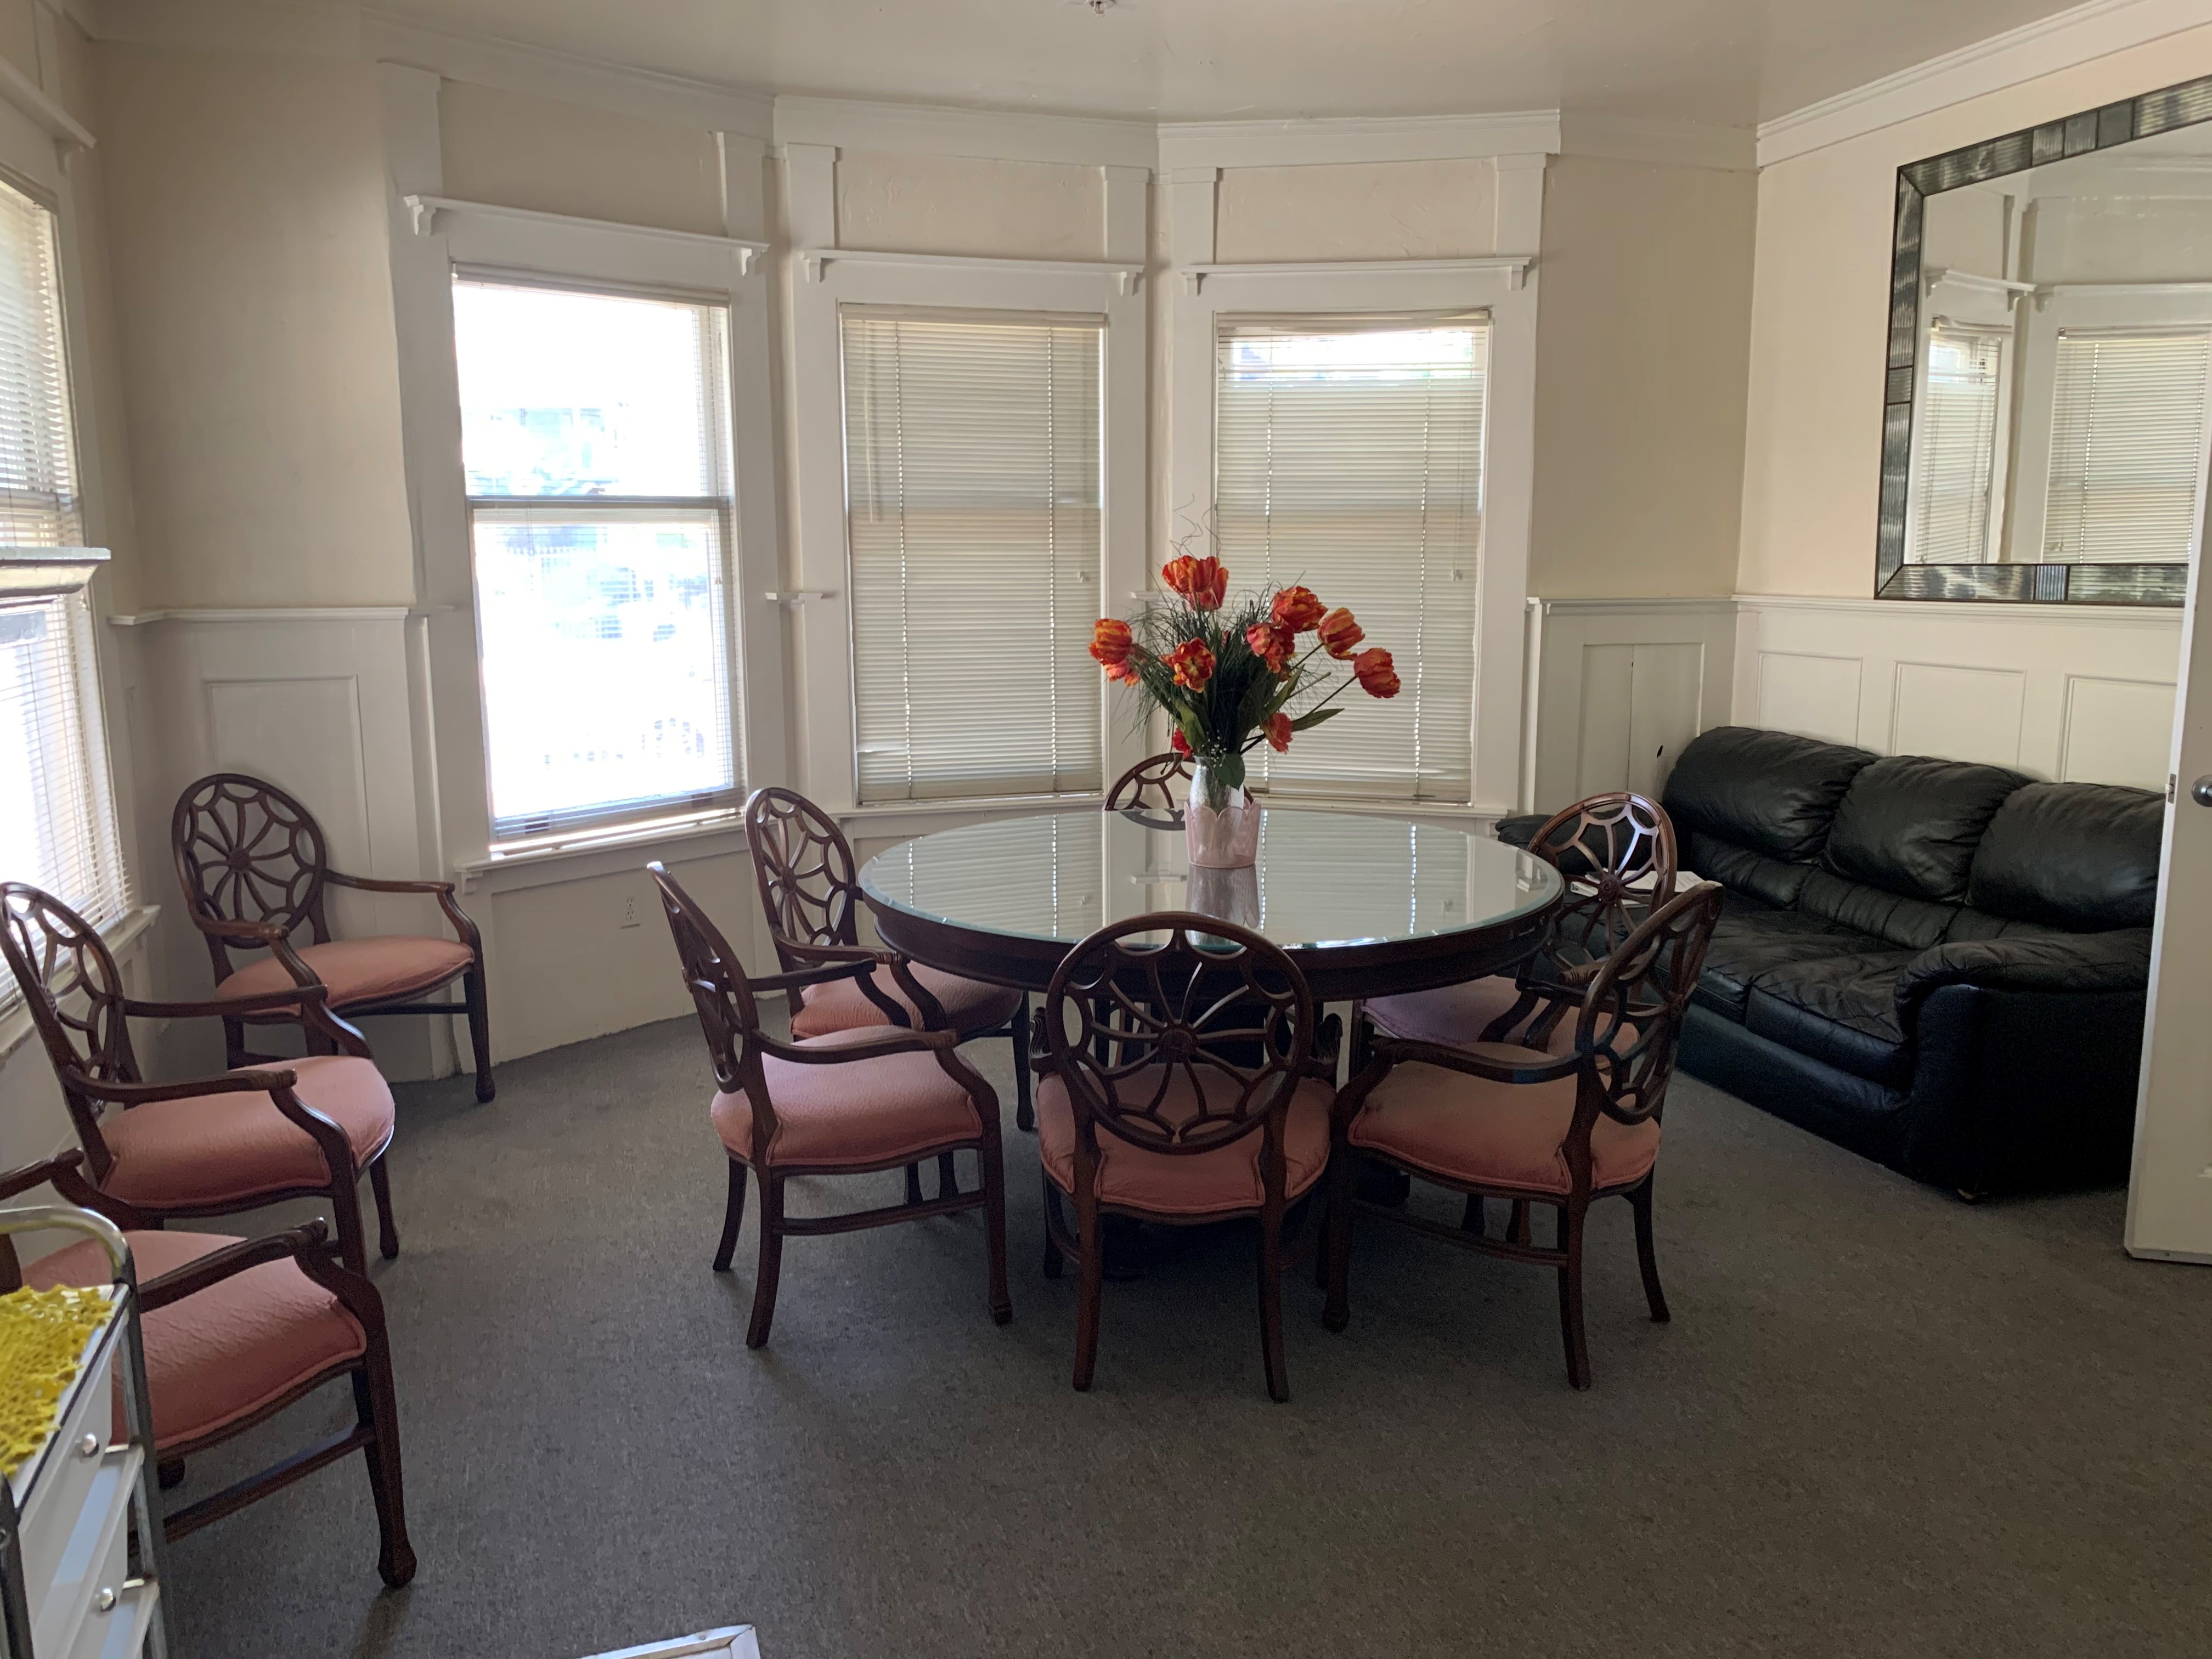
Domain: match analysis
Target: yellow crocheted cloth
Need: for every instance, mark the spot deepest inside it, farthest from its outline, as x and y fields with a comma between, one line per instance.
x=42, y=1337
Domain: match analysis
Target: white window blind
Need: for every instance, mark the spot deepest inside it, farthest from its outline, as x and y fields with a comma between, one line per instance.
x=39, y=503
x=595, y=439
x=1953, y=474
x=1348, y=456
x=972, y=478
x=2127, y=445
x=57, y=818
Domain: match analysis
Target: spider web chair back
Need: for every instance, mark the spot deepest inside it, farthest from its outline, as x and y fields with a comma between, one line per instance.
x=247, y=851
x=728, y=1015
x=75, y=996
x=1630, y=1024
x=1605, y=848
x=804, y=867
x=1126, y=1011
x=1149, y=785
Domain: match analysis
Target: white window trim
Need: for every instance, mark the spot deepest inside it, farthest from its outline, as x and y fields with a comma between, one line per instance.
x=2078, y=306
x=1505, y=286
x=2002, y=440
x=820, y=276
x=431, y=233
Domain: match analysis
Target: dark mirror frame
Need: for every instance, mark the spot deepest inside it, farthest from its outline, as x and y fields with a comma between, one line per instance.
x=2183, y=105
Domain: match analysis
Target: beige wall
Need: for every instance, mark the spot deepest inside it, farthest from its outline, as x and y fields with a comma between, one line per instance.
x=525, y=152
x=1372, y=210
x=246, y=206
x=1640, y=373
x=1819, y=310
x=962, y=204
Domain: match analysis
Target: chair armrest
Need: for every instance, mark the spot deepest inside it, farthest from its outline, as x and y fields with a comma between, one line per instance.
x=301, y=1242
x=14, y=1184
x=902, y=973
x=261, y=1002
x=465, y=929
x=144, y=1094
x=800, y=977
x=901, y=1040
x=1482, y=1060
x=2115, y=961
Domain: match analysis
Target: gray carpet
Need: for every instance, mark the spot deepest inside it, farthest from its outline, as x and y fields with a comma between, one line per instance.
x=1882, y=1423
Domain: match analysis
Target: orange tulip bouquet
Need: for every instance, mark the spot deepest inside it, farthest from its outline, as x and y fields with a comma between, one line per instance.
x=1230, y=675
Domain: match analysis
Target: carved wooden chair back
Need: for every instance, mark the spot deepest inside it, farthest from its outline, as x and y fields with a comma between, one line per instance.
x=728, y=1014
x=1630, y=1024
x=805, y=870
x=1616, y=854
x=1126, y=1013
x=1149, y=785
x=247, y=851
x=75, y=997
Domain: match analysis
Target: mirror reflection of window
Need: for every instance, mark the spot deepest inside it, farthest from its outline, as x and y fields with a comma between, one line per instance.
x=1954, y=473
x=2127, y=445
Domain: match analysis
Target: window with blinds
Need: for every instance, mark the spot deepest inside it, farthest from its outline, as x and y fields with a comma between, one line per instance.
x=972, y=479
x=595, y=441
x=2127, y=445
x=1348, y=456
x=38, y=504
x=1954, y=472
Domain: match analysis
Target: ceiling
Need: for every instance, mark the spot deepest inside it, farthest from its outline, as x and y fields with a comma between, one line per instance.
x=1726, y=63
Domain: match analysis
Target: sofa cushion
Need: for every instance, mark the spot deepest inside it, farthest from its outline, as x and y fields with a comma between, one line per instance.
x=1771, y=881
x=1838, y=1010
x=1768, y=790
x=1910, y=824
x=1750, y=939
x=2082, y=856
x=1890, y=917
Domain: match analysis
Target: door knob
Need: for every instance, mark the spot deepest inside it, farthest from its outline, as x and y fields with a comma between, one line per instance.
x=2201, y=791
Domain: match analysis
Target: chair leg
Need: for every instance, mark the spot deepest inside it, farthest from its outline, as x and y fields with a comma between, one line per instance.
x=992, y=1166
x=1470, y=1217
x=948, y=1176
x=1091, y=1277
x=479, y=1008
x=169, y=1473
x=733, y=1217
x=1571, y=1299
x=1024, y=1112
x=1052, y=1258
x=913, y=1183
x=345, y=1210
x=1343, y=1184
x=379, y=1409
x=388, y=1234
x=1271, y=1304
x=233, y=1043
x=771, y=1259
x=1639, y=1200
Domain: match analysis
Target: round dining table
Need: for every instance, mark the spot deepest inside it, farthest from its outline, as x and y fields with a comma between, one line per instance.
x=1366, y=905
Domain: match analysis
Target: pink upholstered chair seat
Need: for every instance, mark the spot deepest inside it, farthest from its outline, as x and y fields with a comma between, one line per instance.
x=861, y=1113
x=229, y=1148
x=1498, y=1136
x=1222, y=1181
x=225, y=1352
x=970, y=1005
x=1457, y=1015
x=360, y=972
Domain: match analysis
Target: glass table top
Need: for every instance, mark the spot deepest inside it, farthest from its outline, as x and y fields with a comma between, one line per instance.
x=1323, y=878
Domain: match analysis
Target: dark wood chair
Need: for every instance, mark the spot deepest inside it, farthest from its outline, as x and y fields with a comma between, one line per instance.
x=845, y=1101
x=237, y=1331
x=255, y=867
x=1615, y=853
x=810, y=889
x=208, y=1146
x=1178, y=1087
x=1149, y=786
x=1512, y=1121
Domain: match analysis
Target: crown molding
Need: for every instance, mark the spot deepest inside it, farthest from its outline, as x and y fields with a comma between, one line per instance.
x=941, y=130
x=2062, y=41
x=1356, y=138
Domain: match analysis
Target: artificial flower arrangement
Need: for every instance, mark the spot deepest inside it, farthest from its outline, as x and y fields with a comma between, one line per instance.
x=1230, y=675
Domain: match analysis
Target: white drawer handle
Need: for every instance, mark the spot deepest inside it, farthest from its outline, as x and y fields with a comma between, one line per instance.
x=105, y=1600
x=88, y=1447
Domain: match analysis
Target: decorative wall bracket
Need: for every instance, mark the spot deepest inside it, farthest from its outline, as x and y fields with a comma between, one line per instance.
x=427, y=216
x=815, y=262
x=1515, y=265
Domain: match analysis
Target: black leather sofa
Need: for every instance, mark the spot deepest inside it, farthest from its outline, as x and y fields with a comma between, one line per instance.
x=1940, y=966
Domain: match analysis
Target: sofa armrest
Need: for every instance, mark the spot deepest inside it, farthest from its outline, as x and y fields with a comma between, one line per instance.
x=2080, y=963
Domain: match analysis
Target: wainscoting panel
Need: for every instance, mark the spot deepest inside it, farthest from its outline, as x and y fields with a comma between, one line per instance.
x=2084, y=693
x=1958, y=713
x=1616, y=687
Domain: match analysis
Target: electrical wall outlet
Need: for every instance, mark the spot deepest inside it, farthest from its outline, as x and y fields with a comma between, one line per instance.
x=629, y=913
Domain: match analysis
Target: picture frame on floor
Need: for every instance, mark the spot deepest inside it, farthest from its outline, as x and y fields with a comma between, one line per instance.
x=733, y=1642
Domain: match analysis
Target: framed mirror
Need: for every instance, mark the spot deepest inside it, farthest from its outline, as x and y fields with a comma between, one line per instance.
x=2047, y=410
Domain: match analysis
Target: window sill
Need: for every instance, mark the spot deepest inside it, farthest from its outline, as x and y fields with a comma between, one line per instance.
x=121, y=938
x=603, y=854
x=979, y=805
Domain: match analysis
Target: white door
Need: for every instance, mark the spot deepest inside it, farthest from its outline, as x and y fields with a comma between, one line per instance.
x=2170, y=1198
